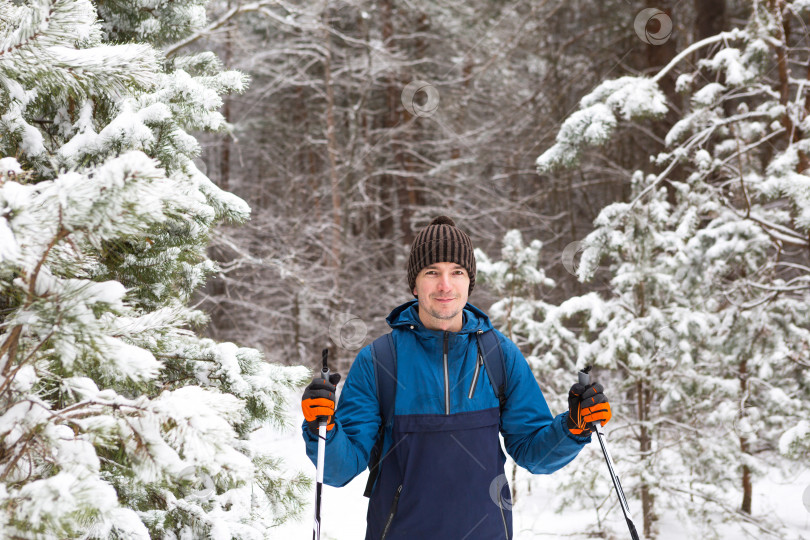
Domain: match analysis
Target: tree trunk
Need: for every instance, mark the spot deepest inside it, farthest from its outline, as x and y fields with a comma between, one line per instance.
x=747, y=485
x=643, y=401
x=392, y=198
x=645, y=446
x=225, y=157
x=710, y=18
x=332, y=150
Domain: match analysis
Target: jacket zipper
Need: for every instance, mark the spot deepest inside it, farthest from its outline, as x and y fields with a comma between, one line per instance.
x=478, y=364
x=391, y=513
x=446, y=376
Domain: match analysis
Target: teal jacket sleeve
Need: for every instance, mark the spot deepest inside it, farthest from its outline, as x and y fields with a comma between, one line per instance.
x=534, y=438
x=357, y=420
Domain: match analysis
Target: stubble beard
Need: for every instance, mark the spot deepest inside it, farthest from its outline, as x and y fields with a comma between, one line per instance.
x=438, y=315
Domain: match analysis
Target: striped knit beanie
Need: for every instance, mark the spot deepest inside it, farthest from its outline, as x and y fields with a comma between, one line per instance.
x=439, y=242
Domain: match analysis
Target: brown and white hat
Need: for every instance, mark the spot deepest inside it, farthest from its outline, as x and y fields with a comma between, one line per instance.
x=441, y=241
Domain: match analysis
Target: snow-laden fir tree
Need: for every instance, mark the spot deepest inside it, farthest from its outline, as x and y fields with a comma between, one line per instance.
x=116, y=420
x=673, y=351
x=706, y=329
x=515, y=279
x=552, y=341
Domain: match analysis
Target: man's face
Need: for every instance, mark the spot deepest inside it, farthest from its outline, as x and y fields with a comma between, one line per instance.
x=442, y=290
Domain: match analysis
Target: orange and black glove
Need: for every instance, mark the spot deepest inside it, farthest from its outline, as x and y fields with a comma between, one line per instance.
x=318, y=402
x=586, y=404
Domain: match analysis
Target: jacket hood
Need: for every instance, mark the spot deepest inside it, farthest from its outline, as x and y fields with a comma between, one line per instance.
x=408, y=315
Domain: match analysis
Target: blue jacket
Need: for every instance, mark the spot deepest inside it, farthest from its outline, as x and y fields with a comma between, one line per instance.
x=442, y=473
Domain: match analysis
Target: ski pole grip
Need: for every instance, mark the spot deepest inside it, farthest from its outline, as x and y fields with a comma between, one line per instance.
x=325, y=376
x=585, y=376
x=325, y=368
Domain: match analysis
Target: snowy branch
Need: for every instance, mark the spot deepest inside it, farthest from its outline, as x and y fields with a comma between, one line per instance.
x=734, y=34
x=253, y=7
x=731, y=510
x=776, y=231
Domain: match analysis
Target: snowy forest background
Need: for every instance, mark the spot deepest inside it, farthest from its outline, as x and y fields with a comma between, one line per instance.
x=197, y=197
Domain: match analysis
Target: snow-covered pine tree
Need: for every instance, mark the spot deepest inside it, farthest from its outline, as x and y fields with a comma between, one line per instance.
x=673, y=344
x=116, y=420
x=620, y=334
x=707, y=326
x=515, y=279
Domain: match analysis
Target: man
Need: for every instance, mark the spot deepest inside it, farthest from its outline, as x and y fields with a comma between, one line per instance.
x=442, y=475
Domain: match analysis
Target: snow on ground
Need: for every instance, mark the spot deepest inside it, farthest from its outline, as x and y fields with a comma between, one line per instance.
x=535, y=514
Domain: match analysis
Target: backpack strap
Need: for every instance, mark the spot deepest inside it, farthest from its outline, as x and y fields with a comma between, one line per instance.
x=490, y=349
x=384, y=358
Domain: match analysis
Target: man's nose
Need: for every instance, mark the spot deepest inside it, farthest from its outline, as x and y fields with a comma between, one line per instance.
x=444, y=282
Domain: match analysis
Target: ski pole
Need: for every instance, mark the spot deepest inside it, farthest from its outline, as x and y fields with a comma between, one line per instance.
x=316, y=531
x=585, y=379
